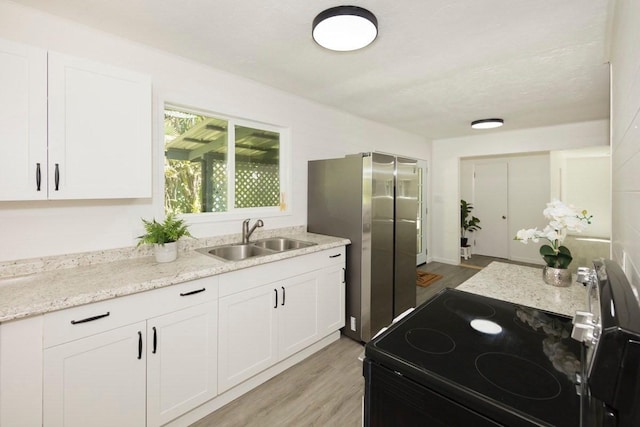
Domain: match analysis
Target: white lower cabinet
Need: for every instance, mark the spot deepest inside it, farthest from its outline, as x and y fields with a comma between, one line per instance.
x=98, y=381
x=267, y=323
x=182, y=353
x=150, y=358
x=99, y=373
x=247, y=335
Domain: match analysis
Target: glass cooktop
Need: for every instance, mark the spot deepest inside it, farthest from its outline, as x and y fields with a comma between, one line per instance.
x=490, y=354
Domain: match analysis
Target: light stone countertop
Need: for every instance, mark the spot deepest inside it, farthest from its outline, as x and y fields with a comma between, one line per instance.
x=523, y=285
x=46, y=291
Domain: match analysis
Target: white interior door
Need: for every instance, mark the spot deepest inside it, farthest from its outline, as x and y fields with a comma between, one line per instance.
x=490, y=201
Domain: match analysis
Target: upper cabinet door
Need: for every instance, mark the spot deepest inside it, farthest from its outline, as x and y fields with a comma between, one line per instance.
x=99, y=131
x=23, y=122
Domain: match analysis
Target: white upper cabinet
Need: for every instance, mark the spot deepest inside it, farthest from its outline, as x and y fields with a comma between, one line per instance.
x=99, y=131
x=23, y=122
x=72, y=128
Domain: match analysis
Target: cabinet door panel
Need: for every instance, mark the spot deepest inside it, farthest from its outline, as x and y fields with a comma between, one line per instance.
x=23, y=121
x=97, y=381
x=298, y=316
x=331, y=300
x=99, y=130
x=247, y=335
x=182, y=365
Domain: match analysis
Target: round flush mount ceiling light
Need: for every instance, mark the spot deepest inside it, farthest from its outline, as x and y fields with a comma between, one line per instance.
x=345, y=28
x=487, y=123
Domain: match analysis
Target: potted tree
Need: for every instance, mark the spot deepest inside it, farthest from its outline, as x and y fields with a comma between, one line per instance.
x=164, y=237
x=468, y=222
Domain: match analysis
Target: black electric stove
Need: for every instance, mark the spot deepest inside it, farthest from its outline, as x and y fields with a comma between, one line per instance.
x=465, y=359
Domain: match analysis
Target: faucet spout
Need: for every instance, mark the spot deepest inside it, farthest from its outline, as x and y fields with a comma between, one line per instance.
x=247, y=232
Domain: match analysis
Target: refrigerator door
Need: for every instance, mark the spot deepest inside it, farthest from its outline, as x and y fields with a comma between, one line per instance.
x=382, y=234
x=406, y=214
x=336, y=206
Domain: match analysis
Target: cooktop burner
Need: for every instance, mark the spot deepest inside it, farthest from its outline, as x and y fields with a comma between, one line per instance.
x=430, y=341
x=464, y=307
x=532, y=381
x=488, y=351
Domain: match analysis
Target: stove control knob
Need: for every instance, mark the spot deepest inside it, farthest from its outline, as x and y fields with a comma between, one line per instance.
x=583, y=317
x=584, y=333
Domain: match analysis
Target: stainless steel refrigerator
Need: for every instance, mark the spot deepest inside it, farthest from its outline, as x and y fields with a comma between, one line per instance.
x=371, y=199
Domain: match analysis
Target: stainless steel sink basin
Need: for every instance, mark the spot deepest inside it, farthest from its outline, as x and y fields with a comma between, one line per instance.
x=240, y=251
x=236, y=252
x=281, y=244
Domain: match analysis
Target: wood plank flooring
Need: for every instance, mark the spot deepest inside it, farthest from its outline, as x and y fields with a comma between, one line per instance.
x=325, y=389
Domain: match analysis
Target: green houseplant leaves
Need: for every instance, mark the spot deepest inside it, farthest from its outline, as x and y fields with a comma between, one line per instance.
x=163, y=232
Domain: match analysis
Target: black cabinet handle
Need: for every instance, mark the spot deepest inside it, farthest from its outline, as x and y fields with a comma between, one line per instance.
x=38, y=177
x=344, y=275
x=139, y=345
x=90, y=319
x=57, y=177
x=155, y=340
x=193, y=292
x=283, y=294
x=276, y=291
x=335, y=256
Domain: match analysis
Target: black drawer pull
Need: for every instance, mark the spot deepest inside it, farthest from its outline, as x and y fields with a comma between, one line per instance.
x=335, y=256
x=139, y=345
x=38, y=177
x=283, y=294
x=344, y=275
x=155, y=340
x=276, y=291
x=57, y=177
x=89, y=319
x=193, y=292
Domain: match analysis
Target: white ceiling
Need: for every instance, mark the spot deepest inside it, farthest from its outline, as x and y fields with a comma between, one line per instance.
x=435, y=66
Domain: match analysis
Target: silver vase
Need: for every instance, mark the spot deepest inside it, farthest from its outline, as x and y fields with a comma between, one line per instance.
x=556, y=276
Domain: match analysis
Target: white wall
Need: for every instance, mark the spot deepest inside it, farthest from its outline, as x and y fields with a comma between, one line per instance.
x=34, y=229
x=625, y=138
x=446, y=155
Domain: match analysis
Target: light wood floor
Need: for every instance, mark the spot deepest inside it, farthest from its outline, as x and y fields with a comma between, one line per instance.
x=326, y=389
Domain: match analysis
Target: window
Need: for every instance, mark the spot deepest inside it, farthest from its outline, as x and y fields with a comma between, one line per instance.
x=215, y=164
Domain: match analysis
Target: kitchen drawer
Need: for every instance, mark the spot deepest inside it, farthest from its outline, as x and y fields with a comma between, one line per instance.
x=248, y=278
x=82, y=321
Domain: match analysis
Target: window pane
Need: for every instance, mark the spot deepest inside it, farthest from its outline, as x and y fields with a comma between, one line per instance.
x=195, y=163
x=257, y=166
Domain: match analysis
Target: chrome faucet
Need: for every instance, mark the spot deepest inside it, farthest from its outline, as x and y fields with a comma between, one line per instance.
x=246, y=232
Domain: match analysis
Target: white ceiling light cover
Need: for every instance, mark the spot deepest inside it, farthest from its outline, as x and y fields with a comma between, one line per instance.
x=345, y=28
x=487, y=123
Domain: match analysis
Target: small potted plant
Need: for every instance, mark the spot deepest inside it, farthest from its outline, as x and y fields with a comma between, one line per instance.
x=164, y=237
x=468, y=222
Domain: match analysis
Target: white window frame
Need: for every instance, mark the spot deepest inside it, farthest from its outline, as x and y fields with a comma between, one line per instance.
x=232, y=212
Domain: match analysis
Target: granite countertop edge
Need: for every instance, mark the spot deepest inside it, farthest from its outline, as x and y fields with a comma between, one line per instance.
x=47, y=291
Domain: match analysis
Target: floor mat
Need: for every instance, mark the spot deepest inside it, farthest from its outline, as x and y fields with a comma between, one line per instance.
x=477, y=267
x=425, y=278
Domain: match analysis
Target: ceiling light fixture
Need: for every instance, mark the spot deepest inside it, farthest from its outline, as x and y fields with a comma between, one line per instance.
x=345, y=28
x=487, y=123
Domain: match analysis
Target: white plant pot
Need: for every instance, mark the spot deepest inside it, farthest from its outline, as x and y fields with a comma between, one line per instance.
x=166, y=253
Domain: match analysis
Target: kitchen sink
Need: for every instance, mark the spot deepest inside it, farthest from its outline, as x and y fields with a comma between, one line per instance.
x=240, y=251
x=236, y=252
x=281, y=244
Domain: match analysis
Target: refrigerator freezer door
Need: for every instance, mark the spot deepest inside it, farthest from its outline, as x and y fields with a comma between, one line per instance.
x=406, y=213
x=382, y=207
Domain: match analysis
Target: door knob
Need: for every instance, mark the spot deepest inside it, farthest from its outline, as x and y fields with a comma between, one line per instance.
x=504, y=217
